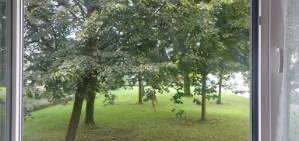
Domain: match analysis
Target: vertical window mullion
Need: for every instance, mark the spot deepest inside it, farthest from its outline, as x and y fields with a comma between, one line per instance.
x=16, y=72
x=264, y=72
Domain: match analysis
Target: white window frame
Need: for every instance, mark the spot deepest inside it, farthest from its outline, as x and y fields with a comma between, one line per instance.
x=264, y=81
x=270, y=20
x=16, y=86
x=271, y=39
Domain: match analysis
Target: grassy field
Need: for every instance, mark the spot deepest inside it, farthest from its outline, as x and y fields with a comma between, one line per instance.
x=128, y=121
x=2, y=94
x=2, y=111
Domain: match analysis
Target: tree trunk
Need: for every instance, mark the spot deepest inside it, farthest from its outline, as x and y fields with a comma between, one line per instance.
x=90, y=100
x=187, y=86
x=75, y=117
x=89, y=113
x=219, y=99
x=203, y=97
x=140, y=88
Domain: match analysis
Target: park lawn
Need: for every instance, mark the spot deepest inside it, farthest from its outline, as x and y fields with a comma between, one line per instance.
x=2, y=94
x=2, y=107
x=128, y=121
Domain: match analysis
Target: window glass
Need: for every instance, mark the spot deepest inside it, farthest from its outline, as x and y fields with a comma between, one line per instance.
x=285, y=71
x=291, y=85
x=137, y=70
x=3, y=67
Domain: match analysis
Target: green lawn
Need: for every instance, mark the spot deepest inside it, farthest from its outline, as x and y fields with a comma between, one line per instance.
x=128, y=121
x=2, y=94
x=2, y=111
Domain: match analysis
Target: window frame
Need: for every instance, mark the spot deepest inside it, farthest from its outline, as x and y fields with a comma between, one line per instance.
x=16, y=85
x=272, y=21
x=264, y=70
x=255, y=10
x=15, y=89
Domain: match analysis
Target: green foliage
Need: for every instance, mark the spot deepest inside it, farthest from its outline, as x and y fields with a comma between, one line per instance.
x=233, y=23
x=179, y=87
x=105, y=44
x=109, y=99
x=210, y=88
x=46, y=39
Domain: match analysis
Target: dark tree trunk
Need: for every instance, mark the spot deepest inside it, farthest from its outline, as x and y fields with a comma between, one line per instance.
x=90, y=100
x=219, y=99
x=203, y=97
x=187, y=86
x=89, y=114
x=75, y=117
x=140, y=89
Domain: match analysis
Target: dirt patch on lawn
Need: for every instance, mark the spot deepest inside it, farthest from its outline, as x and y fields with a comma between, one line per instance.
x=107, y=134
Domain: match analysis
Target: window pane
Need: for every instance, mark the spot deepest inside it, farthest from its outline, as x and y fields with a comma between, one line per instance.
x=291, y=86
x=3, y=68
x=137, y=70
x=285, y=77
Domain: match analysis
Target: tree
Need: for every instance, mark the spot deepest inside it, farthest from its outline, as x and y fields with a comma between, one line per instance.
x=181, y=19
x=108, y=44
x=206, y=56
x=61, y=47
x=184, y=63
x=232, y=21
x=140, y=24
x=46, y=39
x=194, y=33
x=140, y=88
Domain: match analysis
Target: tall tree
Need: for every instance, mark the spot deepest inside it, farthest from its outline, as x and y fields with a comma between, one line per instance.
x=233, y=24
x=182, y=24
x=140, y=24
x=194, y=34
x=61, y=46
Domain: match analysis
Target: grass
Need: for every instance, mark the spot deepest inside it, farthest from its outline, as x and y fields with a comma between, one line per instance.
x=2, y=111
x=2, y=94
x=128, y=121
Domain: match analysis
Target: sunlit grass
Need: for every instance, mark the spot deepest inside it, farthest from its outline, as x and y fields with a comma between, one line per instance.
x=2, y=93
x=129, y=121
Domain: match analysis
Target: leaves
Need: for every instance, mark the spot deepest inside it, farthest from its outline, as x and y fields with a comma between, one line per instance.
x=112, y=41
